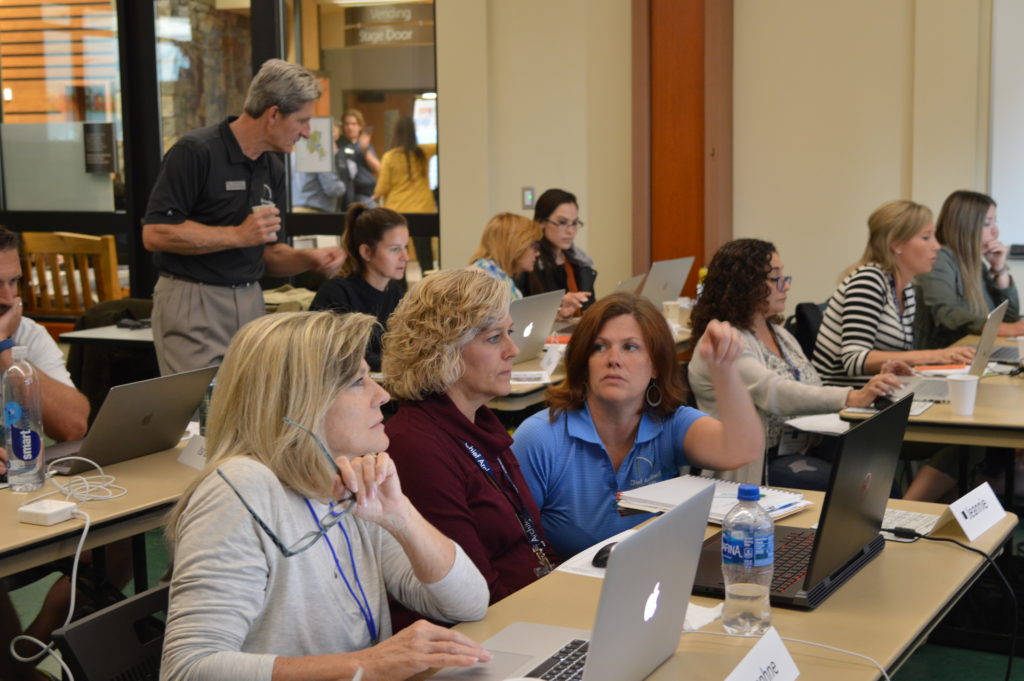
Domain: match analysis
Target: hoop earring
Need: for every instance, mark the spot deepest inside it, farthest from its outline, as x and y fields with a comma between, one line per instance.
x=652, y=402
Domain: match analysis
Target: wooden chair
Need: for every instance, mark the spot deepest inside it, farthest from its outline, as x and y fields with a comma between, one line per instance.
x=64, y=273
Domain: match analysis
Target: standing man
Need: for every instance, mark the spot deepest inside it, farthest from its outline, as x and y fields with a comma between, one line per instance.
x=357, y=159
x=214, y=220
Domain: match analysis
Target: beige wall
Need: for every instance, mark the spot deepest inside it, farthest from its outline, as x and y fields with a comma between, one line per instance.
x=535, y=93
x=840, y=106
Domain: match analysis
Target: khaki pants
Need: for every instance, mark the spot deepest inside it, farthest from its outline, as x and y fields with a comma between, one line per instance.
x=194, y=323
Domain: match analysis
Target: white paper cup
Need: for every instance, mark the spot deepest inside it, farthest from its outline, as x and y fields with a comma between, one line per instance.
x=963, y=389
x=670, y=308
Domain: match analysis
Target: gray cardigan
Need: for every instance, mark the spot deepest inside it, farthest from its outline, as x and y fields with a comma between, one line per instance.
x=774, y=395
x=944, y=315
x=237, y=603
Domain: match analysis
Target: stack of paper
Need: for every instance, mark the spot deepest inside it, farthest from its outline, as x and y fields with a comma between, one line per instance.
x=667, y=494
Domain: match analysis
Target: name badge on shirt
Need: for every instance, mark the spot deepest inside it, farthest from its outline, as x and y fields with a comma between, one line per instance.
x=234, y=186
x=350, y=150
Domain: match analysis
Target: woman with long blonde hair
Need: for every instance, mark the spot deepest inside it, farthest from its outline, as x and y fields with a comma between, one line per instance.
x=288, y=544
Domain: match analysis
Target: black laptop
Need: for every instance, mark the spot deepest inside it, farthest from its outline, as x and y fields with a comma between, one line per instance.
x=811, y=564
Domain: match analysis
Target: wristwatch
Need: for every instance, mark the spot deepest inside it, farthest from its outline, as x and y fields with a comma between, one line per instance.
x=6, y=344
x=999, y=273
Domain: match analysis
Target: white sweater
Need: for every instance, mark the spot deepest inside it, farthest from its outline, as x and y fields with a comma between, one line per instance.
x=775, y=395
x=236, y=602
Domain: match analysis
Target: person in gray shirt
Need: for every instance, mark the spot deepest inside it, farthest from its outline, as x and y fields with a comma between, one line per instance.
x=287, y=546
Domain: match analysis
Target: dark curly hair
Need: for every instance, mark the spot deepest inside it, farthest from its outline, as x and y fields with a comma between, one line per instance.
x=734, y=287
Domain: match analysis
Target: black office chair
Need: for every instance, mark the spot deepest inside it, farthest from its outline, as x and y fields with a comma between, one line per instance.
x=804, y=324
x=119, y=643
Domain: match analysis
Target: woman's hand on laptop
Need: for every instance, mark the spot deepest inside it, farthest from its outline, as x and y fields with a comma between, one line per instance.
x=960, y=354
x=880, y=385
x=418, y=648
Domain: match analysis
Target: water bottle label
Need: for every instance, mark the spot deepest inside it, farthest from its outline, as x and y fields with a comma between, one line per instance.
x=25, y=444
x=12, y=413
x=757, y=551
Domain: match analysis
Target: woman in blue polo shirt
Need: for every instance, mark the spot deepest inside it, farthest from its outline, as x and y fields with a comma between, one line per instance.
x=617, y=421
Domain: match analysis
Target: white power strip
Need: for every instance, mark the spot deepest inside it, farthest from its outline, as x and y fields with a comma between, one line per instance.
x=46, y=512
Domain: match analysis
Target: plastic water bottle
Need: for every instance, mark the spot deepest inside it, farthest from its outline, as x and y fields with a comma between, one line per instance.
x=23, y=424
x=748, y=555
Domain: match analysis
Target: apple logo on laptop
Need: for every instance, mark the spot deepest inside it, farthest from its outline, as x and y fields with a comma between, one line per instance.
x=147, y=418
x=652, y=602
x=528, y=330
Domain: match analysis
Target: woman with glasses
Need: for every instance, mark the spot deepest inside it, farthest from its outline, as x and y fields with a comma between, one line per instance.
x=971, y=276
x=562, y=264
x=618, y=422
x=508, y=247
x=746, y=286
x=372, y=277
x=287, y=546
x=447, y=352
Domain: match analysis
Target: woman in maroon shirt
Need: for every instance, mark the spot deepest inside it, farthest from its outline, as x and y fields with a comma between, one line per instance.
x=447, y=352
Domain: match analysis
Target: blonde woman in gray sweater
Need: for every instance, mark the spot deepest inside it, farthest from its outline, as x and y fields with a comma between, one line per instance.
x=746, y=287
x=289, y=542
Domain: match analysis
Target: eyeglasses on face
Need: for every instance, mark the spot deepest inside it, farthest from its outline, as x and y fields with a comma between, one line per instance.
x=781, y=282
x=334, y=515
x=565, y=224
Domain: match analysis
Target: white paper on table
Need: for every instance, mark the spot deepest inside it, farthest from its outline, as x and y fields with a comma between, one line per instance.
x=917, y=407
x=698, y=616
x=827, y=424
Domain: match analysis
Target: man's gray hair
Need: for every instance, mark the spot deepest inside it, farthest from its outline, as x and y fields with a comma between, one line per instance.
x=282, y=84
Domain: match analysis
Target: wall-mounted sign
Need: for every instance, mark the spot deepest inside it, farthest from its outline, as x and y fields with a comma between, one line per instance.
x=363, y=36
x=99, y=147
x=389, y=14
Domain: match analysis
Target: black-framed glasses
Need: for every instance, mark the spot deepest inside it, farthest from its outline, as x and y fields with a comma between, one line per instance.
x=781, y=282
x=334, y=515
x=575, y=224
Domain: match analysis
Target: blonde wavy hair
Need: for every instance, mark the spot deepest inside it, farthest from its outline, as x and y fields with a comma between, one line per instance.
x=892, y=222
x=506, y=237
x=286, y=364
x=433, y=321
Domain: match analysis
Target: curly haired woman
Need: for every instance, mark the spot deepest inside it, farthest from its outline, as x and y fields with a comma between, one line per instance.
x=745, y=286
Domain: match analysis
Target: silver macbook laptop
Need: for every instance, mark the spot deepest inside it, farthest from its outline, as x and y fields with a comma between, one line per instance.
x=935, y=389
x=533, y=318
x=640, y=616
x=665, y=280
x=136, y=419
x=631, y=285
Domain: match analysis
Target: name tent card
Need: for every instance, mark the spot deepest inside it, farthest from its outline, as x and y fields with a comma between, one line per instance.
x=976, y=511
x=768, y=660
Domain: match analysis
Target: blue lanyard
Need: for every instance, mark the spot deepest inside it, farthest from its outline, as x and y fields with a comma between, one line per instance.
x=364, y=604
x=522, y=515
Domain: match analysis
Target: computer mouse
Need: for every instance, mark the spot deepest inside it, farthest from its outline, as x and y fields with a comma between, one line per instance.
x=881, y=402
x=601, y=557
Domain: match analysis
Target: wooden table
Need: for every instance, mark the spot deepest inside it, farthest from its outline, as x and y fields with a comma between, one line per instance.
x=885, y=611
x=109, y=334
x=154, y=483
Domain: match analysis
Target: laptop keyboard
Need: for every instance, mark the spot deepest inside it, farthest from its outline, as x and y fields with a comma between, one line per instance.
x=922, y=523
x=791, y=559
x=565, y=665
x=1005, y=353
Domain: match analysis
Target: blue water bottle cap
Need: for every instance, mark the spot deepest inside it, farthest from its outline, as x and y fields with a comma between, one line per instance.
x=749, y=493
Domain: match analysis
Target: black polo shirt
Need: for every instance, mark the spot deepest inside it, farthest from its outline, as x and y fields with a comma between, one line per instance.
x=206, y=178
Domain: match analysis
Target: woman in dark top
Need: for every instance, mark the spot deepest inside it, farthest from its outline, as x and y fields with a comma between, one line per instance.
x=561, y=265
x=372, y=278
x=448, y=352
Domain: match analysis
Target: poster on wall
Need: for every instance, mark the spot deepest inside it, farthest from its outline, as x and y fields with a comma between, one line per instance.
x=316, y=154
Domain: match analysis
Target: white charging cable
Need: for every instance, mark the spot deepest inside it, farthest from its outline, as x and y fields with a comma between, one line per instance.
x=881, y=670
x=80, y=488
x=48, y=649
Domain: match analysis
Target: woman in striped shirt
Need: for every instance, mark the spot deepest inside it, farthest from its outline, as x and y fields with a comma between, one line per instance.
x=869, y=320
